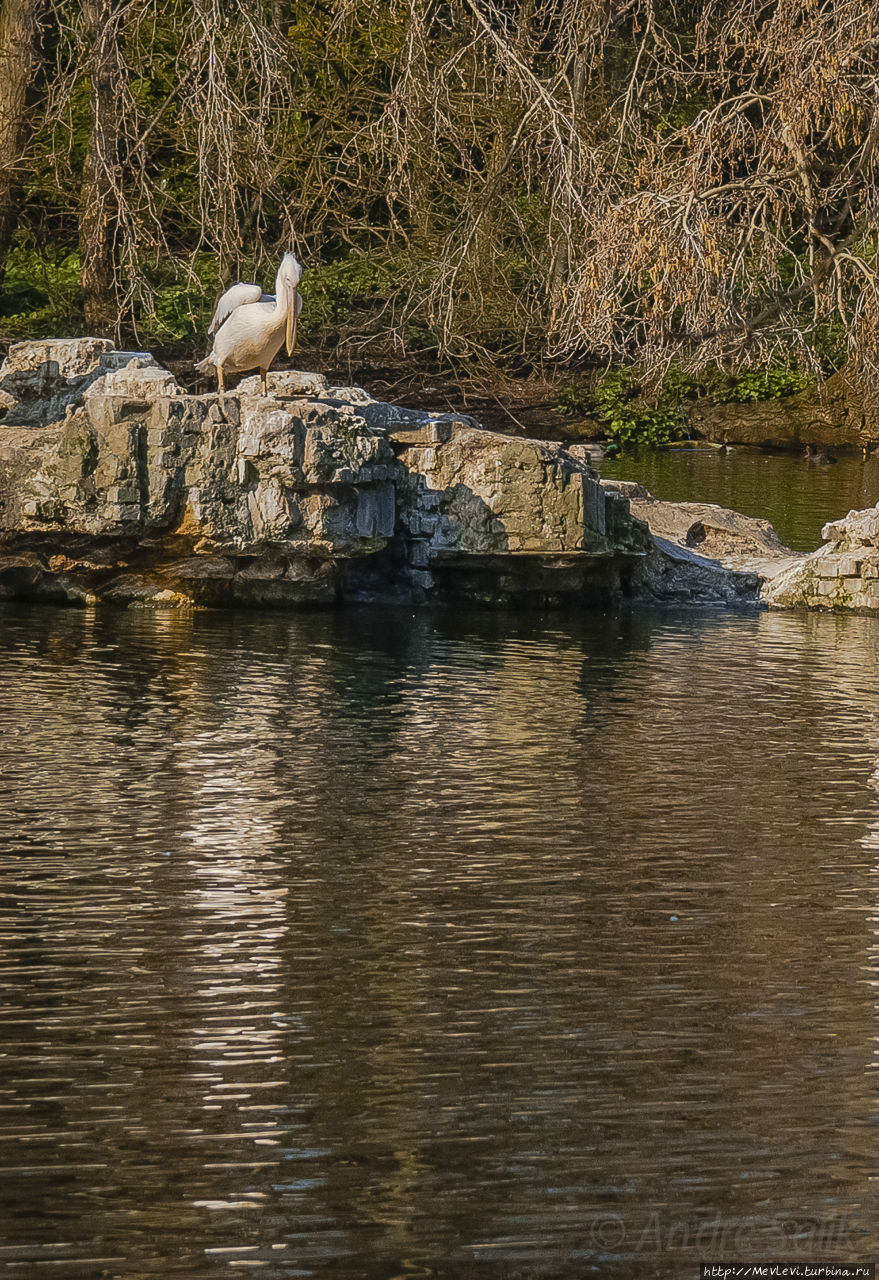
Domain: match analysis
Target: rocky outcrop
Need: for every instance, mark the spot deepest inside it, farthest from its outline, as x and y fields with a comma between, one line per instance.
x=117, y=485
x=741, y=543
x=703, y=553
x=827, y=415
x=843, y=574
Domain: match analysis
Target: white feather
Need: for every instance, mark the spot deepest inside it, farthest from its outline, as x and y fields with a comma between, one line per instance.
x=237, y=296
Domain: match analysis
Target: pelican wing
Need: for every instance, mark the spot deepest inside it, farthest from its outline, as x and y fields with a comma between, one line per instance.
x=237, y=296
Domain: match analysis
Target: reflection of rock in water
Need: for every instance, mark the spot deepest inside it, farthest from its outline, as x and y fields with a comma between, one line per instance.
x=818, y=456
x=407, y=979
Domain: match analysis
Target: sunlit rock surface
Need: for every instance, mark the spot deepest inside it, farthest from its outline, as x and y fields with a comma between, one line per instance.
x=116, y=484
x=843, y=574
x=703, y=552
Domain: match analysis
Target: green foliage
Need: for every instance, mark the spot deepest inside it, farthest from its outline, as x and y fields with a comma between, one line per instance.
x=630, y=417
x=830, y=345
x=679, y=114
x=574, y=400
x=627, y=417
x=531, y=213
x=41, y=295
x=762, y=384
x=331, y=292
x=179, y=310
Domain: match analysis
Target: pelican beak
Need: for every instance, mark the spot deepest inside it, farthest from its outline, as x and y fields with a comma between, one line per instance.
x=291, y=325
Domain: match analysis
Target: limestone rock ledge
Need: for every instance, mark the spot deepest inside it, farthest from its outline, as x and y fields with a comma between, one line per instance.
x=117, y=485
x=702, y=553
x=843, y=574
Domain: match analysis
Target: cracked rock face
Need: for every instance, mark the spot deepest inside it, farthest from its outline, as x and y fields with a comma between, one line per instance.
x=117, y=485
x=843, y=574
x=705, y=554
x=41, y=382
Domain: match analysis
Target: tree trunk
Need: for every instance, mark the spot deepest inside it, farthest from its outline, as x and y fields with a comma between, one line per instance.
x=98, y=205
x=20, y=28
x=561, y=254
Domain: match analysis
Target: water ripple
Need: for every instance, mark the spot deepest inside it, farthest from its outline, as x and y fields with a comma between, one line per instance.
x=386, y=945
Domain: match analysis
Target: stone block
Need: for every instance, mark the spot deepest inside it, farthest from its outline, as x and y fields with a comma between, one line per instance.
x=859, y=528
x=136, y=383
x=836, y=566
x=348, y=395
x=431, y=433
x=376, y=511
x=64, y=357
x=122, y=359
x=594, y=509
x=122, y=512
x=273, y=512
x=286, y=383
x=260, y=569
x=198, y=568
x=420, y=458
x=123, y=493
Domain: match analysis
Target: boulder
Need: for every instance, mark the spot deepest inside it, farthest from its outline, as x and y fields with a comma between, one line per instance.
x=831, y=414
x=842, y=575
x=42, y=382
x=117, y=485
x=702, y=553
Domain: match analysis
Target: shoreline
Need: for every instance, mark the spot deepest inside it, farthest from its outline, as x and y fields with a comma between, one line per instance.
x=119, y=485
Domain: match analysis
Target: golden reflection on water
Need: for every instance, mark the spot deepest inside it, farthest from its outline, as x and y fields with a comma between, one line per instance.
x=379, y=944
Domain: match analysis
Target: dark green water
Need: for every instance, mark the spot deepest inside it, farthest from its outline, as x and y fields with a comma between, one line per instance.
x=795, y=496
x=382, y=944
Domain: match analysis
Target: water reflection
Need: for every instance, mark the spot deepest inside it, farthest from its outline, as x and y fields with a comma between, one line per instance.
x=796, y=497
x=379, y=944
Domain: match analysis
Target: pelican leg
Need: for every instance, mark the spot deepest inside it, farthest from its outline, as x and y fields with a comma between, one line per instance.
x=220, y=383
x=263, y=373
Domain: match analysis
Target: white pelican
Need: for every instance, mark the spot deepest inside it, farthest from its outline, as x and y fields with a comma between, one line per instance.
x=250, y=326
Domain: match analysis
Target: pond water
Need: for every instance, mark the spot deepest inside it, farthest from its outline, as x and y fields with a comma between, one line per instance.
x=385, y=944
x=795, y=496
